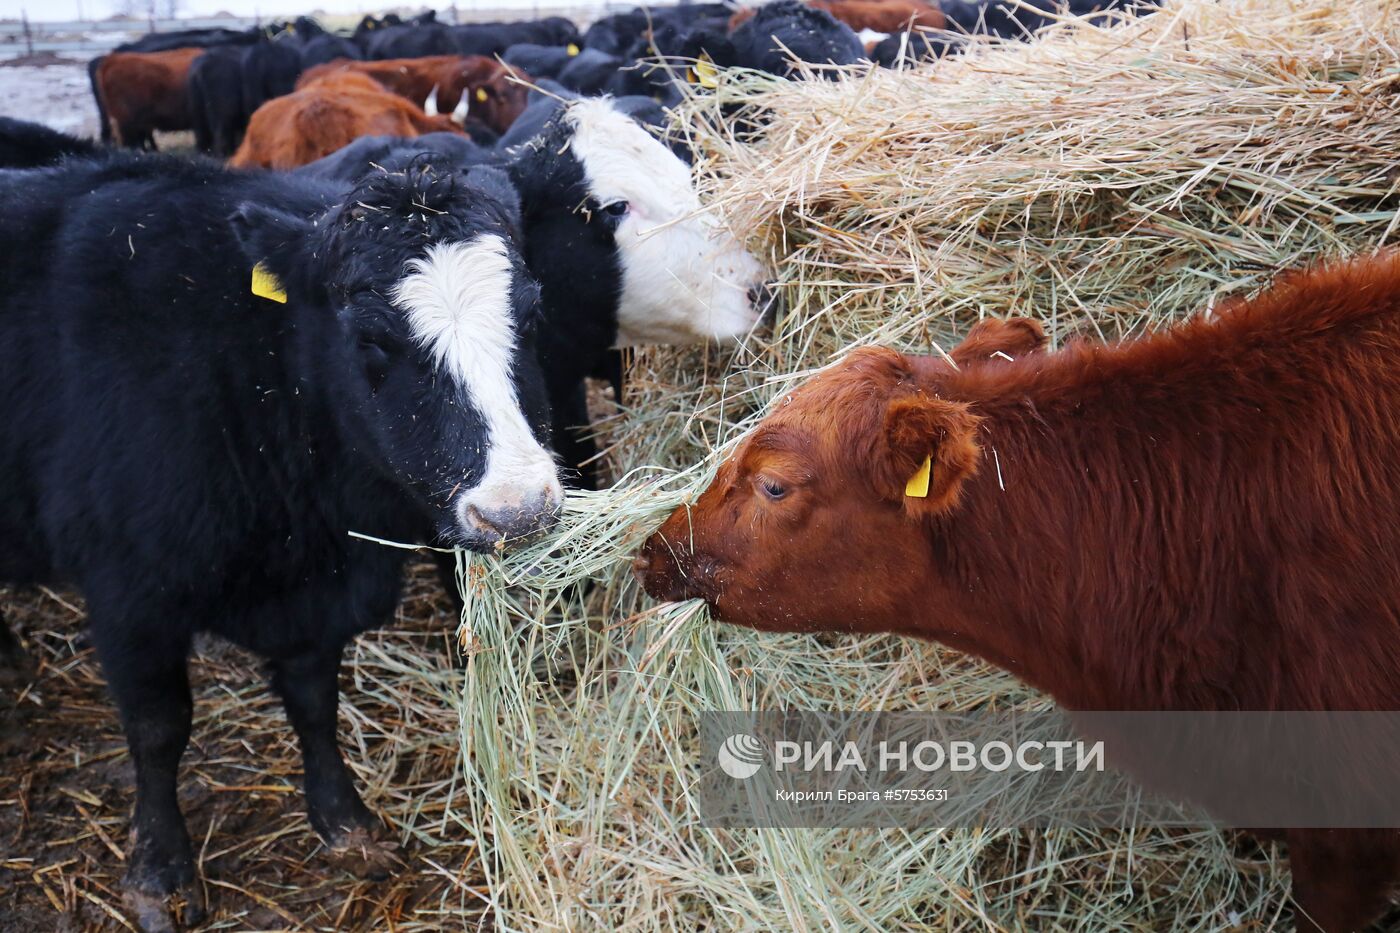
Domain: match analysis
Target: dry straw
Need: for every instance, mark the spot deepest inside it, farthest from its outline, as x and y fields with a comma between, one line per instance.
x=1107, y=179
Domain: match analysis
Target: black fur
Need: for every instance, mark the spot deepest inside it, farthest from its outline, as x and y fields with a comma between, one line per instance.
x=29, y=145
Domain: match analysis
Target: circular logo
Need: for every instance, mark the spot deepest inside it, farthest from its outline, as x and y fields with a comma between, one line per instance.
x=740, y=756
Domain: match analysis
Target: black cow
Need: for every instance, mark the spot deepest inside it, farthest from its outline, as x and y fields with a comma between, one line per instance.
x=494, y=38
x=410, y=41
x=539, y=61
x=192, y=443
x=216, y=100
x=350, y=163
x=589, y=72
x=270, y=69
x=29, y=145
x=327, y=47
x=780, y=35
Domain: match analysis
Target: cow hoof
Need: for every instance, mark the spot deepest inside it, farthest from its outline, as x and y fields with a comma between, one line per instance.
x=360, y=854
x=166, y=913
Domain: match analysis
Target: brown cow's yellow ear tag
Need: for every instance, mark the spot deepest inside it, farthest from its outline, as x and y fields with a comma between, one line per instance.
x=481, y=94
x=705, y=73
x=917, y=487
x=572, y=49
x=266, y=285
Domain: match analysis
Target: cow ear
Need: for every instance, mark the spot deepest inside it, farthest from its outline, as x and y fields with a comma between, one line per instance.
x=273, y=241
x=1012, y=337
x=930, y=452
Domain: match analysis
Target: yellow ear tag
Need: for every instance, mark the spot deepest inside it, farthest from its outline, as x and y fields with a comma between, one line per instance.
x=571, y=49
x=266, y=285
x=705, y=73
x=481, y=94
x=917, y=487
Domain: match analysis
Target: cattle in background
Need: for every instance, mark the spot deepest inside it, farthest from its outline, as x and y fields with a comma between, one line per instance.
x=325, y=115
x=196, y=449
x=589, y=72
x=615, y=234
x=270, y=69
x=216, y=100
x=494, y=38
x=1245, y=460
x=539, y=61
x=473, y=85
x=883, y=16
x=410, y=41
x=142, y=92
x=29, y=145
x=327, y=47
x=778, y=38
x=164, y=42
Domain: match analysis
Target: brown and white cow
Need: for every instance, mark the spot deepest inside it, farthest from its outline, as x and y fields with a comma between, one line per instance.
x=1203, y=519
x=326, y=115
x=462, y=85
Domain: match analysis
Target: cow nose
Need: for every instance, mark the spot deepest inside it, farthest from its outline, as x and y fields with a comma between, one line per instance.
x=764, y=298
x=487, y=529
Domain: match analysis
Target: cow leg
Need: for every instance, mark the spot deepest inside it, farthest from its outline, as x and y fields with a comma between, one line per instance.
x=147, y=673
x=308, y=686
x=1341, y=878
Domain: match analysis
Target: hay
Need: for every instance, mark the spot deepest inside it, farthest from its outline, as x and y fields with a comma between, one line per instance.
x=1105, y=179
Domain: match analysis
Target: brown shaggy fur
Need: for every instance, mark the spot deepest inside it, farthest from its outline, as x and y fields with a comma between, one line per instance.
x=1207, y=518
x=493, y=98
x=325, y=115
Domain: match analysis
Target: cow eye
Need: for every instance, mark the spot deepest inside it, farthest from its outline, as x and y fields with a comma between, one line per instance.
x=771, y=488
x=616, y=208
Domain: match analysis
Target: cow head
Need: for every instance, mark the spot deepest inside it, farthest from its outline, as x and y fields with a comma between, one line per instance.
x=415, y=306
x=615, y=231
x=820, y=519
x=483, y=88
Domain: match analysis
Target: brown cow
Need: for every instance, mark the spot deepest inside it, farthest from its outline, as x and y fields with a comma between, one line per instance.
x=1203, y=519
x=326, y=115
x=470, y=85
x=145, y=91
x=876, y=15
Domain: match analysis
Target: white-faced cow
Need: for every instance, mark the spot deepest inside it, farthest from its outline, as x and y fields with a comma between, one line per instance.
x=209, y=380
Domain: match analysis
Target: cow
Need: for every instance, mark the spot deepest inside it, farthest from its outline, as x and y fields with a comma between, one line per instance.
x=29, y=145
x=141, y=92
x=410, y=41
x=1245, y=459
x=327, y=47
x=464, y=86
x=589, y=72
x=494, y=38
x=325, y=115
x=270, y=69
x=614, y=232
x=211, y=379
x=778, y=38
x=539, y=61
x=216, y=100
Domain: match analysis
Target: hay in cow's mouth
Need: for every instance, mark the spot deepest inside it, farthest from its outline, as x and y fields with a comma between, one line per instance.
x=1105, y=179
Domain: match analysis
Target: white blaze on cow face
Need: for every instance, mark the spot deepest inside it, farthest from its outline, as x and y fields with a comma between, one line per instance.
x=684, y=277
x=458, y=307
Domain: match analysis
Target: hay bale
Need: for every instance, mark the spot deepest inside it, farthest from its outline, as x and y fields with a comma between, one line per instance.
x=1105, y=179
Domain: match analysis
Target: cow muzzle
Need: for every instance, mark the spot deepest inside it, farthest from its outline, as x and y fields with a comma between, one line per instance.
x=496, y=520
x=667, y=571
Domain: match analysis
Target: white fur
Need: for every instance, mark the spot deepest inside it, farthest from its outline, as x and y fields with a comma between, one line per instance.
x=684, y=277
x=457, y=303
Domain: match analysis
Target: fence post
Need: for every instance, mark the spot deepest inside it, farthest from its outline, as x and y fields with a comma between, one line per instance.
x=28, y=36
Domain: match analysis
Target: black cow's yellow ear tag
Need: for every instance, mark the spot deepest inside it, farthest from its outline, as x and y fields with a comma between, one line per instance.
x=267, y=285
x=572, y=49
x=704, y=73
x=481, y=94
x=917, y=487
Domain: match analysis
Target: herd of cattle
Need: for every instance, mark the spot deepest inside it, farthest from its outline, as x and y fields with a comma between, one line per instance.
x=380, y=315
